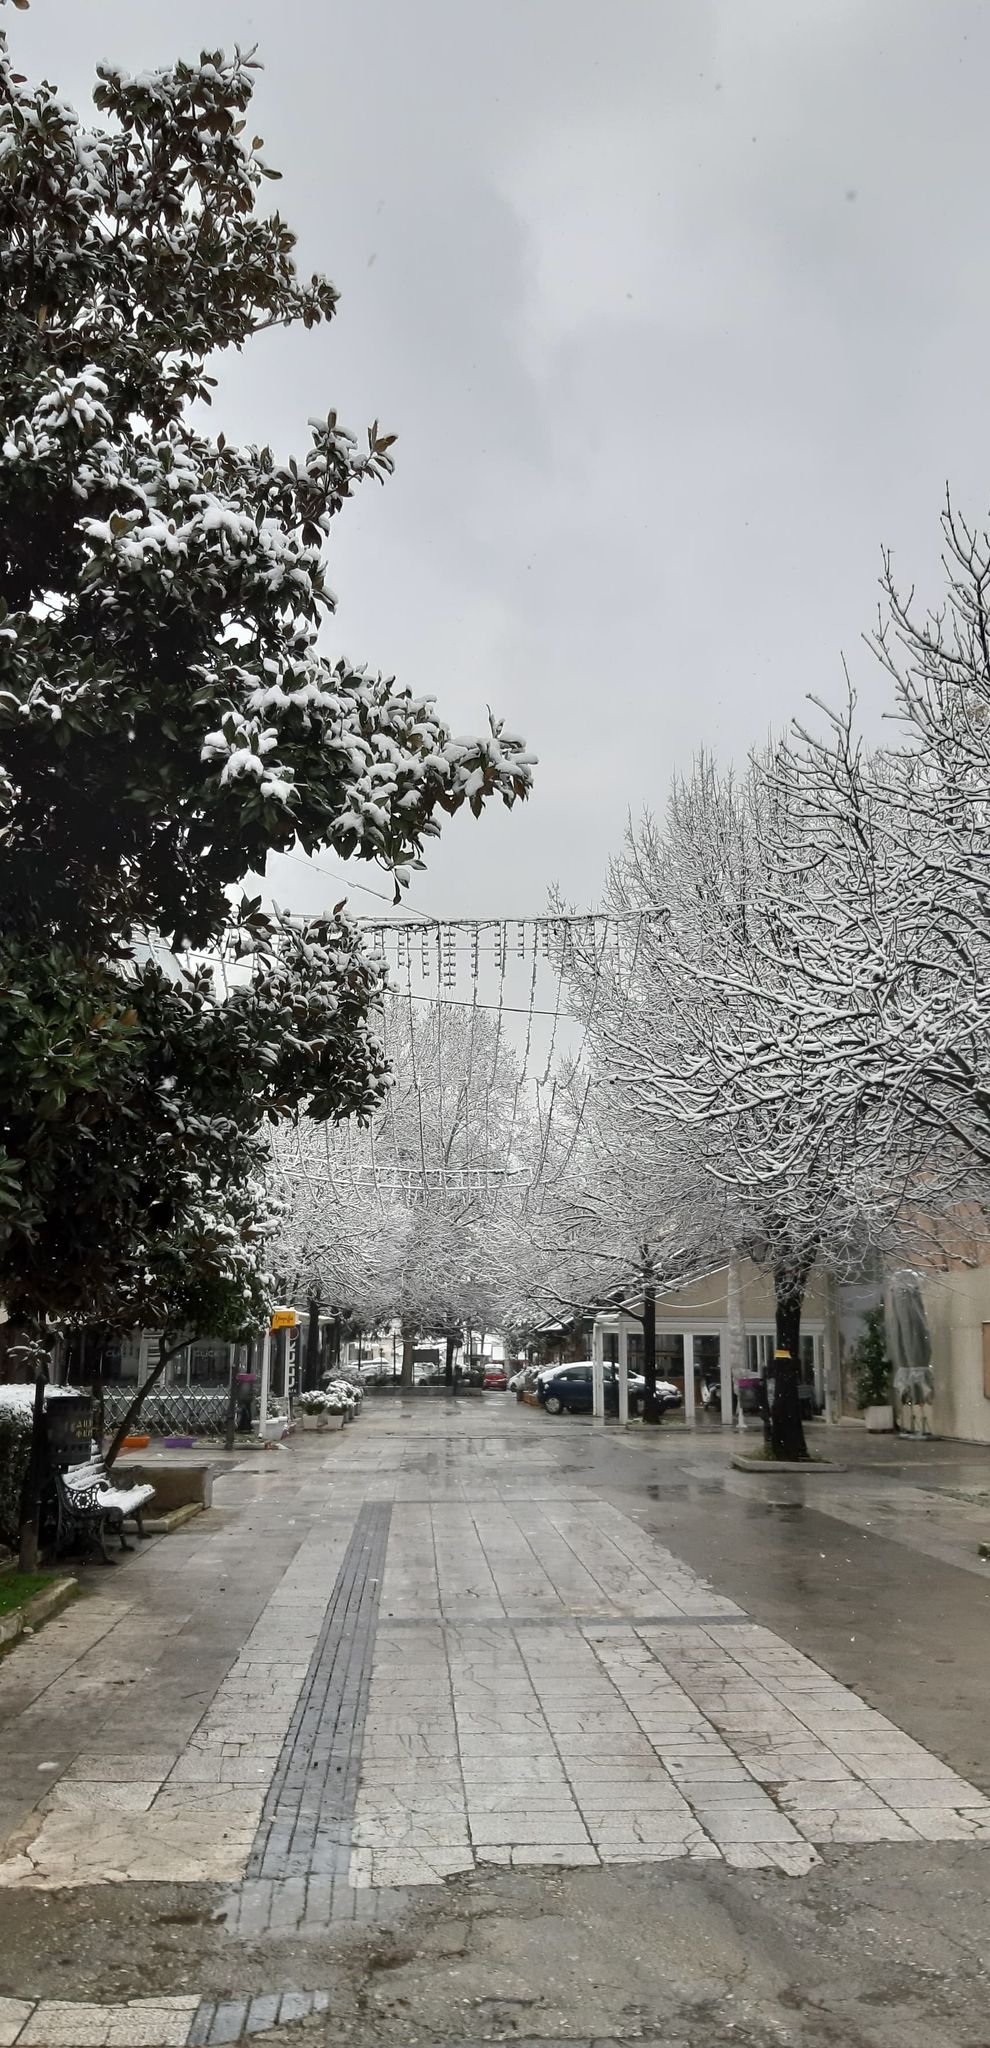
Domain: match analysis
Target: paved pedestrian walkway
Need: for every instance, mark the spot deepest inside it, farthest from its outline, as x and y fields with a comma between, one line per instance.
x=441, y=1643
x=470, y=1645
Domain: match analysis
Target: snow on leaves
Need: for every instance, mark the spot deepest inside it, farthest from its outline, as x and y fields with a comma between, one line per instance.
x=168, y=716
x=139, y=1108
x=413, y=1216
x=165, y=590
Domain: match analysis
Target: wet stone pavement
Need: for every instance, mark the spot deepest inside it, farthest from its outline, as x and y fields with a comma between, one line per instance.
x=465, y=1679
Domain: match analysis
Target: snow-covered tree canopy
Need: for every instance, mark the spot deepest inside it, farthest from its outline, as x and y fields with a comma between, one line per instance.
x=138, y=1111
x=682, y=999
x=831, y=1030
x=792, y=999
x=704, y=1002
x=895, y=970
x=408, y=1216
x=166, y=715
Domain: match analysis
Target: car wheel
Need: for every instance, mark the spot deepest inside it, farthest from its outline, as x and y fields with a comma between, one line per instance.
x=553, y=1404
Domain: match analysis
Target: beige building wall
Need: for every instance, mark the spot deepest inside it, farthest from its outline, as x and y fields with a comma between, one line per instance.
x=700, y=1308
x=958, y=1305
x=696, y=1299
x=707, y=1296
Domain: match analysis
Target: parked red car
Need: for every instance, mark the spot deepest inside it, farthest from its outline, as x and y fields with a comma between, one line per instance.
x=495, y=1378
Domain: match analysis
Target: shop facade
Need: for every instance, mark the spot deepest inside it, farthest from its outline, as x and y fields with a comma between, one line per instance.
x=720, y=1326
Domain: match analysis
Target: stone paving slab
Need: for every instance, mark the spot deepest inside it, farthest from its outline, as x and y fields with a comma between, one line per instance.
x=185, y=2022
x=171, y=1787
x=305, y=1828
x=663, y=1723
x=453, y=1659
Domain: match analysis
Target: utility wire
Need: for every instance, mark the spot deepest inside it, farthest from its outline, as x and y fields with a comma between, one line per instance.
x=303, y=860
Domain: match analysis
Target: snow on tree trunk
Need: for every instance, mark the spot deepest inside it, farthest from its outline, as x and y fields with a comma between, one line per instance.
x=652, y=1411
x=736, y=1328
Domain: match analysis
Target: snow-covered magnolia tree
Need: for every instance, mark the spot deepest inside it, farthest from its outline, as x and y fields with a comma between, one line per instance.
x=167, y=716
x=167, y=713
x=166, y=1091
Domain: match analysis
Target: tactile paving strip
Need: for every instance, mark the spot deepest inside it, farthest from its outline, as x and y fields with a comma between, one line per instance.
x=305, y=1828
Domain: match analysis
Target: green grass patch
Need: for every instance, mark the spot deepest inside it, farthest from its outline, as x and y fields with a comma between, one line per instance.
x=16, y=1588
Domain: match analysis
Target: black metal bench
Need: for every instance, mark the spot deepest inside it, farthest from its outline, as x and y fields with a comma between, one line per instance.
x=92, y=1507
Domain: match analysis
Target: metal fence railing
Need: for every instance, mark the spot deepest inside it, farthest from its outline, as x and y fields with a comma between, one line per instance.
x=169, y=1411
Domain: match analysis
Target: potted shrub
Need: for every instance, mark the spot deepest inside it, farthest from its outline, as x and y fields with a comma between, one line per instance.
x=340, y=1403
x=312, y=1407
x=335, y=1410
x=874, y=1374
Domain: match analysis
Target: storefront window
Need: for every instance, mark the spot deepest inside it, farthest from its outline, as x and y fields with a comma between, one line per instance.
x=208, y=1364
x=760, y=1344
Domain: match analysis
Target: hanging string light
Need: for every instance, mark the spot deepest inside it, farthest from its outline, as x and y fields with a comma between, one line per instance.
x=461, y=1133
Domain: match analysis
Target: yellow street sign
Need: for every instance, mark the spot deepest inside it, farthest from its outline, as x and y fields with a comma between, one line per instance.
x=284, y=1319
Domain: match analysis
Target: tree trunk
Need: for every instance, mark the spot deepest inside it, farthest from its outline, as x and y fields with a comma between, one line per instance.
x=408, y=1347
x=729, y=1381
x=311, y=1373
x=252, y=1365
x=94, y=1350
x=281, y=1373
x=786, y=1428
x=230, y=1419
x=73, y=1358
x=137, y=1404
x=27, y=1560
x=652, y=1411
x=448, y=1364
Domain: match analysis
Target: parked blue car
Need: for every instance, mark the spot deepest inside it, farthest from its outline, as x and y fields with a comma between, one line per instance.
x=569, y=1391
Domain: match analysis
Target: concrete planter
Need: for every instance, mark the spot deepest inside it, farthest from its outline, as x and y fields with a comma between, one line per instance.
x=332, y=1421
x=44, y=1604
x=807, y=1467
x=880, y=1418
x=177, y=1487
x=313, y=1421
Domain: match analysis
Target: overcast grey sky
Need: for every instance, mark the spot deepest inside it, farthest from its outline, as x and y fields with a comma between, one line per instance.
x=679, y=309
